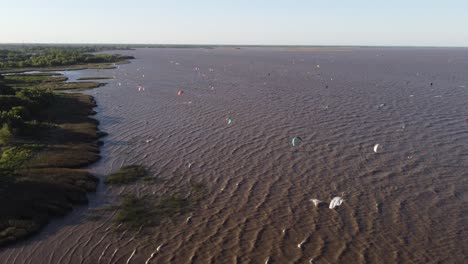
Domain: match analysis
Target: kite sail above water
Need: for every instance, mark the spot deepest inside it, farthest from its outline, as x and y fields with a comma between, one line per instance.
x=180, y=92
x=316, y=201
x=296, y=141
x=376, y=147
x=229, y=121
x=336, y=201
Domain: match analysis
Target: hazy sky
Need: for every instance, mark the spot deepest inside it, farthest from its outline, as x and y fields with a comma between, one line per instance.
x=269, y=22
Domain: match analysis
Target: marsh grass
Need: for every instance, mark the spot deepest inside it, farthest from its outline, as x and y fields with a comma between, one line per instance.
x=127, y=174
x=38, y=175
x=29, y=80
x=51, y=81
x=150, y=210
x=71, y=85
x=136, y=211
x=133, y=212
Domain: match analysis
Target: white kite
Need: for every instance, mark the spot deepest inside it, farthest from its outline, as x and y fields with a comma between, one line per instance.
x=159, y=247
x=302, y=243
x=336, y=201
x=315, y=201
x=376, y=147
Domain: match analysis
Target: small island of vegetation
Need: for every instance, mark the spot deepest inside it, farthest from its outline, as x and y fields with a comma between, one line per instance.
x=127, y=174
x=149, y=210
x=135, y=211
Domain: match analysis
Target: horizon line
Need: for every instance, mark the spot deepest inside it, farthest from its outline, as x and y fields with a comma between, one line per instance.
x=230, y=45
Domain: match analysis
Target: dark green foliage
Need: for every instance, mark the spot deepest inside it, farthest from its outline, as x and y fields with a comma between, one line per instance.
x=72, y=85
x=6, y=136
x=127, y=174
x=48, y=56
x=7, y=102
x=28, y=79
x=15, y=117
x=16, y=110
x=38, y=181
x=27, y=205
x=44, y=137
x=13, y=157
x=37, y=98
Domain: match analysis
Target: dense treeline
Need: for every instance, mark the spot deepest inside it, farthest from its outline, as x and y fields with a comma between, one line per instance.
x=17, y=56
x=17, y=108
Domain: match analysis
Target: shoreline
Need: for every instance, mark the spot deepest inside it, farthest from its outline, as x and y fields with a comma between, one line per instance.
x=89, y=66
x=53, y=174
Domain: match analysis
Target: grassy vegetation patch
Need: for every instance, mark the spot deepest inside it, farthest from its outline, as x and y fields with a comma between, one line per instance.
x=127, y=174
x=66, y=156
x=44, y=74
x=135, y=212
x=71, y=85
x=39, y=167
x=73, y=178
x=150, y=210
x=44, y=136
x=13, y=157
x=28, y=80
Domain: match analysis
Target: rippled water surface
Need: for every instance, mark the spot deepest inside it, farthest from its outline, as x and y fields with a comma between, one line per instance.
x=404, y=204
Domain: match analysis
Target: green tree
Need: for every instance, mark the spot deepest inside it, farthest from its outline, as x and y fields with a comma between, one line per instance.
x=5, y=135
x=15, y=117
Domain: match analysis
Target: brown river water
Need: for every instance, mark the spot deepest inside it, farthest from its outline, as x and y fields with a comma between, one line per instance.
x=407, y=203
